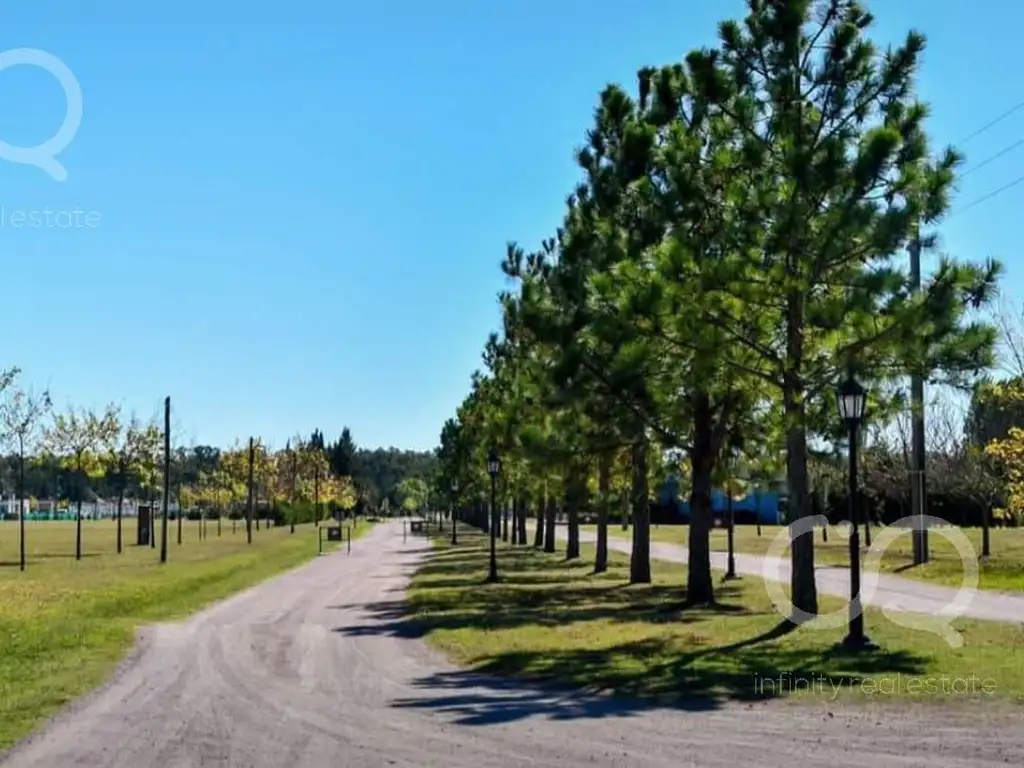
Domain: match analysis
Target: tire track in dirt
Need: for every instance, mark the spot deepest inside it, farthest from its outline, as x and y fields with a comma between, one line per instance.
x=315, y=668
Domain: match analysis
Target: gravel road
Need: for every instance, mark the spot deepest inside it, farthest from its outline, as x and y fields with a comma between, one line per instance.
x=316, y=668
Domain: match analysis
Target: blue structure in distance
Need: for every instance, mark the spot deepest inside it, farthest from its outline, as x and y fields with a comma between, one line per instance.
x=769, y=506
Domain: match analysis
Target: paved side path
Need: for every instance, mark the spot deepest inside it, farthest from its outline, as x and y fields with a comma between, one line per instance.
x=318, y=668
x=881, y=590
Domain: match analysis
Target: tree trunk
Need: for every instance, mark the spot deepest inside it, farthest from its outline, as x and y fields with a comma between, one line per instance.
x=573, y=499
x=604, y=481
x=20, y=503
x=248, y=506
x=78, y=528
x=522, y=520
x=120, y=507
x=803, y=587
x=699, y=587
x=514, y=521
x=867, y=510
x=640, y=559
x=624, y=508
x=503, y=507
x=538, y=534
x=78, y=516
x=549, y=524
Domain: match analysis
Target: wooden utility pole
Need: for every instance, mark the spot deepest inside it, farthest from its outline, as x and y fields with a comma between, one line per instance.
x=291, y=494
x=917, y=443
x=167, y=478
x=248, y=507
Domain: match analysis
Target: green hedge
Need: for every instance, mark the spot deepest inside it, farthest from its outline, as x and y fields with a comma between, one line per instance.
x=280, y=514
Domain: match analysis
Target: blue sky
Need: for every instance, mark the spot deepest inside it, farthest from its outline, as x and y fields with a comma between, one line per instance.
x=298, y=215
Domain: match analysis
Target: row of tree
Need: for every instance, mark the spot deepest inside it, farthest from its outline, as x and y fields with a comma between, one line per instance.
x=75, y=452
x=732, y=250
x=85, y=455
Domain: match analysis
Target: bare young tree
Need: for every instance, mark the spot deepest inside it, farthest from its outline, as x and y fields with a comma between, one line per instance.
x=78, y=436
x=127, y=444
x=21, y=415
x=1009, y=318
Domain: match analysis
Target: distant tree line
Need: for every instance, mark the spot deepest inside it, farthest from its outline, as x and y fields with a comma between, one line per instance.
x=375, y=474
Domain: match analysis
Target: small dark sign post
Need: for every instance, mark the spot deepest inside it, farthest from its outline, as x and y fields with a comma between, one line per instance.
x=145, y=524
x=333, y=534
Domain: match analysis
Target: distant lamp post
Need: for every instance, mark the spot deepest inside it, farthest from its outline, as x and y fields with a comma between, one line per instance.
x=730, y=572
x=493, y=468
x=455, y=499
x=852, y=399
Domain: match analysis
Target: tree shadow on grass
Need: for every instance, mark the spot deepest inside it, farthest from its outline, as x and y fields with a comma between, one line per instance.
x=507, y=606
x=39, y=559
x=535, y=589
x=675, y=669
x=455, y=568
x=905, y=568
x=608, y=682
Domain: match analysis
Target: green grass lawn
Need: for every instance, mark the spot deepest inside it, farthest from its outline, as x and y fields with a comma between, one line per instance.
x=1003, y=571
x=553, y=620
x=65, y=624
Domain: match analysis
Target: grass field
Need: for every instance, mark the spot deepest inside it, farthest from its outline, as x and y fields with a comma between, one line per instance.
x=553, y=620
x=65, y=623
x=1003, y=571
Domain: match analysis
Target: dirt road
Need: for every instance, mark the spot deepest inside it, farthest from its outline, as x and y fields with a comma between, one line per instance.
x=317, y=668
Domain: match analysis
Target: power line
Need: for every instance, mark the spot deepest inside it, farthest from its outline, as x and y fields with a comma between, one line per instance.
x=992, y=158
x=988, y=196
x=991, y=123
x=996, y=156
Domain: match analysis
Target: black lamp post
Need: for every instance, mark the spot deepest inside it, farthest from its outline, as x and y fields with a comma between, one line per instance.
x=493, y=468
x=852, y=399
x=731, y=565
x=455, y=499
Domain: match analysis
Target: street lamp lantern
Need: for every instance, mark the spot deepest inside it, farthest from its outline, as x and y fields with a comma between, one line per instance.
x=493, y=468
x=852, y=399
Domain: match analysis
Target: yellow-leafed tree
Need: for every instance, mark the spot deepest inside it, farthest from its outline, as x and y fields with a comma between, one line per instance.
x=1008, y=450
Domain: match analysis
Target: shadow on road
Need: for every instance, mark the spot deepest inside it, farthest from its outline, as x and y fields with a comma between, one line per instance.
x=573, y=644
x=486, y=695
x=472, y=698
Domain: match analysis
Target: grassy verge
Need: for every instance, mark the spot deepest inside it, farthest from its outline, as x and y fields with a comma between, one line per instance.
x=65, y=624
x=552, y=620
x=1003, y=571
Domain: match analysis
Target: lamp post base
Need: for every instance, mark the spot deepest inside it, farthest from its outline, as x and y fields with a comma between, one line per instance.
x=857, y=643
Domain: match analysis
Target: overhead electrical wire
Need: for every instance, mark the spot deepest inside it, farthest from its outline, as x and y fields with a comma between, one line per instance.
x=989, y=195
x=992, y=122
